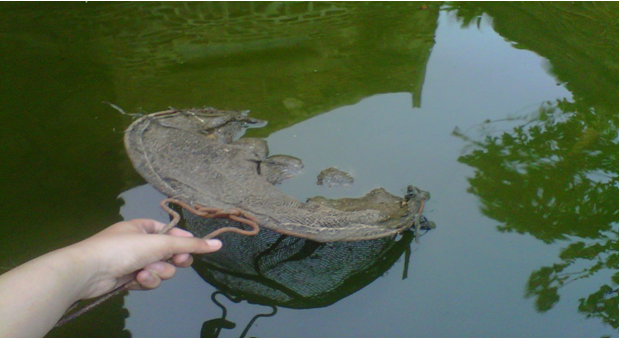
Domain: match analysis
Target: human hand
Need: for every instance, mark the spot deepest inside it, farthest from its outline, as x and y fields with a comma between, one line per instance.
x=35, y=294
x=135, y=250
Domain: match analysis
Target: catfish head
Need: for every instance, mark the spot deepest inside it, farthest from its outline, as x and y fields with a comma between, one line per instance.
x=220, y=125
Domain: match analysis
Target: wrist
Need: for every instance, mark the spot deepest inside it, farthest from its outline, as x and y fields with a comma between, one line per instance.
x=71, y=271
x=82, y=267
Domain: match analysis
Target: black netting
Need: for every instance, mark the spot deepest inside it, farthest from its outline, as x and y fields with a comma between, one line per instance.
x=271, y=268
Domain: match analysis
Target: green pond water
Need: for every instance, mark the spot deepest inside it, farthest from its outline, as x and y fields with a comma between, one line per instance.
x=507, y=113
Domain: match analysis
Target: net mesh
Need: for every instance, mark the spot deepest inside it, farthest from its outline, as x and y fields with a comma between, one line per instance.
x=271, y=268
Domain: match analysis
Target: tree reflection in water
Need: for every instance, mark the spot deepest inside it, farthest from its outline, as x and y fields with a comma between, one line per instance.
x=556, y=176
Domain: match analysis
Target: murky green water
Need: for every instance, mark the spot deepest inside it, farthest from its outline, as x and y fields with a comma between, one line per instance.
x=506, y=113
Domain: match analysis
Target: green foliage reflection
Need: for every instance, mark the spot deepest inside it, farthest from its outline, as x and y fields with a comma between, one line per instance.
x=555, y=175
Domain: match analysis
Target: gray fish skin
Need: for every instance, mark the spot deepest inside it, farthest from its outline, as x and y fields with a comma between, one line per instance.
x=195, y=156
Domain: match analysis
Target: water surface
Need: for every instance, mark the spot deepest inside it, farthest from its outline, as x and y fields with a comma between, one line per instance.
x=506, y=113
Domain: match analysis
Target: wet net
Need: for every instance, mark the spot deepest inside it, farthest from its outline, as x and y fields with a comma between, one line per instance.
x=275, y=269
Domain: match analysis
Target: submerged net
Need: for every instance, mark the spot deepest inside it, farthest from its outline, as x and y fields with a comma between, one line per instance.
x=275, y=269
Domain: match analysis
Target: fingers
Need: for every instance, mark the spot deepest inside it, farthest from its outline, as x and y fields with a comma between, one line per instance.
x=182, y=260
x=148, y=225
x=155, y=227
x=147, y=280
x=179, y=232
x=152, y=275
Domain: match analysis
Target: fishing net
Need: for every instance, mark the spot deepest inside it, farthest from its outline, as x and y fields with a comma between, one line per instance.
x=275, y=269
